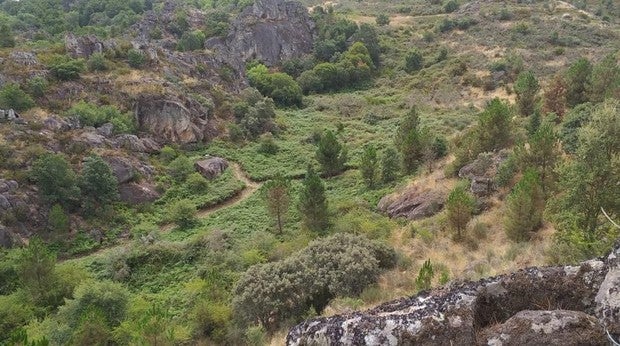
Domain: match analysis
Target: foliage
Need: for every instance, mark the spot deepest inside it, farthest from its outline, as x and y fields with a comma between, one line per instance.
x=277, y=196
x=313, y=203
x=57, y=220
x=409, y=141
x=554, y=99
x=64, y=68
x=135, y=58
x=98, y=183
x=369, y=166
x=451, y=6
x=542, y=155
x=494, y=126
x=282, y=88
x=341, y=265
x=56, y=180
x=459, y=206
x=255, y=113
x=382, y=19
x=197, y=183
x=182, y=213
x=13, y=97
x=524, y=207
x=389, y=165
x=604, y=80
x=425, y=276
x=414, y=61
x=97, y=62
x=180, y=168
x=37, y=86
x=191, y=41
x=331, y=155
x=526, y=87
x=577, y=77
x=36, y=272
x=6, y=36
x=92, y=115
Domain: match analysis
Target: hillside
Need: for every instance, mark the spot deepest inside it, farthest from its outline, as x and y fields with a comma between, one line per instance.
x=218, y=172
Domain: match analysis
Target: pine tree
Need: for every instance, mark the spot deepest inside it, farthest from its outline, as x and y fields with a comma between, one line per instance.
x=494, y=126
x=459, y=205
x=425, y=276
x=99, y=186
x=524, y=207
x=369, y=166
x=389, y=165
x=542, y=153
x=555, y=97
x=526, y=87
x=313, y=203
x=409, y=141
x=56, y=180
x=331, y=154
x=277, y=196
x=605, y=80
x=577, y=77
x=36, y=271
x=6, y=36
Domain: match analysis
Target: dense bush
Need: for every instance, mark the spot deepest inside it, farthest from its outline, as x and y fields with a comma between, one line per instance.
x=524, y=207
x=282, y=88
x=191, y=41
x=12, y=96
x=254, y=113
x=341, y=265
x=135, y=58
x=97, y=62
x=65, y=68
x=414, y=61
x=98, y=183
x=92, y=115
x=332, y=156
x=56, y=180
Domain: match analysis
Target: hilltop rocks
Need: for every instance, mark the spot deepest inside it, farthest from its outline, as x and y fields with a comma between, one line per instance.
x=270, y=31
x=413, y=204
x=493, y=311
x=553, y=328
x=482, y=171
x=211, y=167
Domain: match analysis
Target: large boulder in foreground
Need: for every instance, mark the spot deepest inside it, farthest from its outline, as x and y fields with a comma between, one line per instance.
x=492, y=311
x=211, y=167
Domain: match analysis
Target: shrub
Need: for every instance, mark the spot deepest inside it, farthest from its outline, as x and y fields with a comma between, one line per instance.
x=6, y=36
x=182, y=213
x=197, y=183
x=282, y=88
x=414, y=61
x=57, y=220
x=459, y=206
x=382, y=19
x=98, y=183
x=13, y=97
x=64, y=68
x=425, y=276
x=524, y=207
x=180, y=168
x=37, y=86
x=389, y=165
x=526, y=87
x=451, y=6
x=56, y=180
x=97, y=62
x=191, y=41
x=92, y=115
x=267, y=145
x=331, y=154
x=135, y=58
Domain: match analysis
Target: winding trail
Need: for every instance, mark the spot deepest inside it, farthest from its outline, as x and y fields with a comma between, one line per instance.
x=250, y=188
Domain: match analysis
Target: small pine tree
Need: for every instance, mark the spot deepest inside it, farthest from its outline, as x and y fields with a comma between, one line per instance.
x=409, y=141
x=389, y=165
x=494, y=126
x=369, y=166
x=554, y=100
x=98, y=183
x=331, y=154
x=542, y=154
x=425, y=276
x=577, y=77
x=526, y=87
x=277, y=196
x=605, y=80
x=57, y=220
x=524, y=207
x=414, y=61
x=313, y=203
x=460, y=205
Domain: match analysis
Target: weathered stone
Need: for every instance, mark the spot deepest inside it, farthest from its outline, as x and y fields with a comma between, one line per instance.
x=211, y=167
x=170, y=120
x=24, y=58
x=6, y=241
x=122, y=168
x=414, y=203
x=54, y=123
x=4, y=203
x=454, y=315
x=482, y=171
x=608, y=296
x=134, y=193
x=92, y=139
x=541, y=327
x=106, y=130
x=85, y=46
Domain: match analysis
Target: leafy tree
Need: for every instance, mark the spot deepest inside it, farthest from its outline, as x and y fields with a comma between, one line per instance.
x=494, y=126
x=135, y=58
x=267, y=145
x=577, y=78
x=56, y=180
x=555, y=97
x=197, y=183
x=182, y=213
x=36, y=272
x=255, y=113
x=191, y=41
x=367, y=34
x=526, y=87
x=282, y=88
x=6, y=36
x=425, y=276
x=389, y=165
x=382, y=19
x=605, y=80
x=369, y=167
x=98, y=183
x=542, y=155
x=331, y=154
x=409, y=141
x=341, y=265
x=588, y=182
x=277, y=196
x=459, y=206
x=12, y=96
x=58, y=221
x=414, y=61
x=524, y=207
x=313, y=203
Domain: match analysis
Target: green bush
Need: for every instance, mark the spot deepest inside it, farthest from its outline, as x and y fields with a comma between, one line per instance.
x=382, y=19
x=282, y=88
x=58, y=221
x=97, y=62
x=197, y=183
x=191, y=41
x=37, y=86
x=13, y=97
x=267, y=145
x=414, y=61
x=56, y=180
x=92, y=115
x=135, y=58
x=182, y=213
x=6, y=36
x=451, y=6
x=180, y=168
x=64, y=68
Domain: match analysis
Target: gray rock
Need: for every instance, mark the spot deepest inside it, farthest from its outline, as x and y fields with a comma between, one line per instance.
x=85, y=46
x=541, y=327
x=415, y=203
x=92, y=139
x=134, y=193
x=171, y=121
x=106, y=130
x=5, y=204
x=482, y=171
x=136, y=144
x=24, y=58
x=608, y=297
x=211, y=167
x=6, y=241
x=122, y=168
x=54, y=123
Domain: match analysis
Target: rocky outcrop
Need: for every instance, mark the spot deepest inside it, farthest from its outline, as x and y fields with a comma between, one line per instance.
x=136, y=144
x=415, y=203
x=492, y=311
x=482, y=171
x=211, y=167
x=138, y=193
x=270, y=31
x=85, y=46
x=543, y=327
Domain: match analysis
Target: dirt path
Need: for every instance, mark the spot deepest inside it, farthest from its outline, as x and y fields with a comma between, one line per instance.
x=249, y=189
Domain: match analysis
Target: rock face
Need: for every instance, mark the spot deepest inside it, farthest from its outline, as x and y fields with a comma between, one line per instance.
x=415, y=203
x=85, y=46
x=172, y=121
x=542, y=327
x=211, y=167
x=493, y=311
x=482, y=171
x=270, y=31
x=134, y=193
